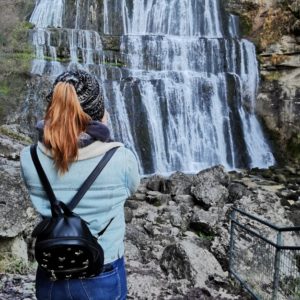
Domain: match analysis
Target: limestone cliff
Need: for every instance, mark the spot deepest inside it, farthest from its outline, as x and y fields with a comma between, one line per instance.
x=274, y=26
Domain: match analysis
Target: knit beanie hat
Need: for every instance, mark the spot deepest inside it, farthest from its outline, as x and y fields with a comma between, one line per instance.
x=88, y=89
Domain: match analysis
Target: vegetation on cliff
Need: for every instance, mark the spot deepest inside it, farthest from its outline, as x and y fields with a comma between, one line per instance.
x=265, y=23
x=15, y=55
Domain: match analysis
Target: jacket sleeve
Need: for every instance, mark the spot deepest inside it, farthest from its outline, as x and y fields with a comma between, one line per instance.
x=132, y=176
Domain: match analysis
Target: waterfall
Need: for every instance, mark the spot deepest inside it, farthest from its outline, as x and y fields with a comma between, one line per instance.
x=48, y=13
x=184, y=96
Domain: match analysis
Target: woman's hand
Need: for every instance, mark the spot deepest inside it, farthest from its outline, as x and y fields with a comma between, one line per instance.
x=105, y=118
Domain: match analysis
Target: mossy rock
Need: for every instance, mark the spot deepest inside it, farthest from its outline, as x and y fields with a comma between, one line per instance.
x=293, y=148
x=245, y=25
x=13, y=134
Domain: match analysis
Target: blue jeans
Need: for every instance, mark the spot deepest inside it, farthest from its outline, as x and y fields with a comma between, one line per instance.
x=109, y=285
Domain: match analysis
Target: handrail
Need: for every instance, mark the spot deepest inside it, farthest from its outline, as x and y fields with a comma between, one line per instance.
x=280, y=257
x=265, y=239
x=278, y=228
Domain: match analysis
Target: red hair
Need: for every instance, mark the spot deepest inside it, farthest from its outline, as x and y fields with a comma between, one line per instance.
x=64, y=121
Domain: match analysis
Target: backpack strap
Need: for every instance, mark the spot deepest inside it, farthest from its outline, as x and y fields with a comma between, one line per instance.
x=44, y=179
x=104, y=229
x=90, y=180
x=84, y=187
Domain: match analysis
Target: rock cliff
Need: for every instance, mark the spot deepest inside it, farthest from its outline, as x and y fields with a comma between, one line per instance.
x=274, y=26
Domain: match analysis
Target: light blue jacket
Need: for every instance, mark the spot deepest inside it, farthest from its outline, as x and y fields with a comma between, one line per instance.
x=103, y=201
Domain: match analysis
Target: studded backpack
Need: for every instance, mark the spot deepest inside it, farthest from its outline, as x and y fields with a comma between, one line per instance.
x=65, y=248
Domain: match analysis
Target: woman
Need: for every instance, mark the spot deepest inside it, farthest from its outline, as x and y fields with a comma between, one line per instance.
x=72, y=139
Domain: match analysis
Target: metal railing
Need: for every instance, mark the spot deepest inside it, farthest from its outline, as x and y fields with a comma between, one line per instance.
x=259, y=259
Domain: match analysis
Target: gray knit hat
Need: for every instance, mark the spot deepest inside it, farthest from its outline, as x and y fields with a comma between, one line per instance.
x=88, y=90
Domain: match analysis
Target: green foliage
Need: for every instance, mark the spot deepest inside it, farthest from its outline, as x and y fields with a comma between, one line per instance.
x=19, y=38
x=291, y=286
x=293, y=147
x=245, y=25
x=205, y=236
x=272, y=76
x=14, y=135
x=13, y=265
x=4, y=89
x=115, y=64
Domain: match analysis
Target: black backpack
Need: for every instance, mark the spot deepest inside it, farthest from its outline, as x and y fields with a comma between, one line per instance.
x=65, y=248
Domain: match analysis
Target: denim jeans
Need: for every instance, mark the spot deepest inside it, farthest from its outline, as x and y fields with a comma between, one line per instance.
x=109, y=285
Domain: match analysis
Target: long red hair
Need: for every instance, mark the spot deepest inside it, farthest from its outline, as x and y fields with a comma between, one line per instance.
x=64, y=121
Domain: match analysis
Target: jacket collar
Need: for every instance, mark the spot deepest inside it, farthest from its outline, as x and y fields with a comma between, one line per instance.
x=95, y=149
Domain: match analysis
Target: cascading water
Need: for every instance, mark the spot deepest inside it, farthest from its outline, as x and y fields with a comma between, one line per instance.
x=184, y=98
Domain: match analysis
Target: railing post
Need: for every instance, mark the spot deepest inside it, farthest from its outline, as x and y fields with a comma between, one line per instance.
x=231, y=244
x=276, y=277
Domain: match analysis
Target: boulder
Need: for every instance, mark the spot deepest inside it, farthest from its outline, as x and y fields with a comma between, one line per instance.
x=145, y=281
x=128, y=214
x=212, y=176
x=177, y=217
x=236, y=191
x=209, y=194
x=156, y=183
x=17, y=216
x=204, y=221
x=15, y=206
x=132, y=204
x=186, y=260
x=179, y=184
x=184, y=199
x=157, y=198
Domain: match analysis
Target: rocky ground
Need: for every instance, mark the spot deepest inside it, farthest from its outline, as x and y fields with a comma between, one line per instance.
x=177, y=235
